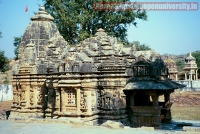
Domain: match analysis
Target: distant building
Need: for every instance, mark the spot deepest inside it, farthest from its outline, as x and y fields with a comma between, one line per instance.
x=191, y=68
x=172, y=68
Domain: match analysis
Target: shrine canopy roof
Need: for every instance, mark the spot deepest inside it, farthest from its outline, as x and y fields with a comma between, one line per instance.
x=150, y=75
x=152, y=85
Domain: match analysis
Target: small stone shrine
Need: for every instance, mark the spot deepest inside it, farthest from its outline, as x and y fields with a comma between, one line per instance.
x=96, y=80
x=191, y=68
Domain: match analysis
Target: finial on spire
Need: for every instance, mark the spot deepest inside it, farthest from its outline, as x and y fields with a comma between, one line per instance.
x=42, y=8
x=42, y=15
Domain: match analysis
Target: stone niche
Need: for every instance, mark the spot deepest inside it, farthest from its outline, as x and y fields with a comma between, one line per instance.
x=96, y=80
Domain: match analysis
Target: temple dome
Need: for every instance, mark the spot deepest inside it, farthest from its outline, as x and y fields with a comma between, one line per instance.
x=170, y=64
x=190, y=58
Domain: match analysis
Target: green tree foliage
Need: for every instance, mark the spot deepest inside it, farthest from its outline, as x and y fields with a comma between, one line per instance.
x=4, y=62
x=17, y=41
x=180, y=65
x=196, y=55
x=138, y=46
x=78, y=20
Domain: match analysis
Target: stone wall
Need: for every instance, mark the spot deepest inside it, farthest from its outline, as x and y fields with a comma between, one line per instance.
x=190, y=85
x=6, y=92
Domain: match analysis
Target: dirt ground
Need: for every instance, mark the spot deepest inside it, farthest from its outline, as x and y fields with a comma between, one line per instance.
x=186, y=98
x=186, y=105
x=5, y=105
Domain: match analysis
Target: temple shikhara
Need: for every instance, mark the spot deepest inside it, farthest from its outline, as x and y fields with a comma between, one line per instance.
x=96, y=80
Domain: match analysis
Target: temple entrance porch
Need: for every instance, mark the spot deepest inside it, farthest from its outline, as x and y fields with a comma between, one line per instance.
x=144, y=108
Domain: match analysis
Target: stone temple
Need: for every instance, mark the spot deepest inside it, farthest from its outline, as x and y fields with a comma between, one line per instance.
x=96, y=80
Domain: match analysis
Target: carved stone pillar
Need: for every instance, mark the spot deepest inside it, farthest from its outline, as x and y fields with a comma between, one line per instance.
x=62, y=105
x=78, y=99
x=155, y=99
x=167, y=110
x=176, y=77
x=167, y=97
x=24, y=95
x=196, y=75
x=185, y=76
x=57, y=99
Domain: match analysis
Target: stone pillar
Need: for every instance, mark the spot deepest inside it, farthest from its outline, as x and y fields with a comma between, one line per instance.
x=57, y=99
x=167, y=97
x=63, y=96
x=167, y=114
x=196, y=75
x=78, y=99
x=154, y=97
x=155, y=100
x=176, y=76
x=185, y=76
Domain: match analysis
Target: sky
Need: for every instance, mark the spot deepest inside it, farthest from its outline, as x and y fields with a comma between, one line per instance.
x=167, y=32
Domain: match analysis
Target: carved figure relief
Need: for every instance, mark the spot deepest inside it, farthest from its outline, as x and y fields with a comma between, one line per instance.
x=93, y=95
x=57, y=101
x=106, y=99
x=22, y=96
x=83, y=101
x=31, y=98
x=99, y=102
x=51, y=97
x=39, y=97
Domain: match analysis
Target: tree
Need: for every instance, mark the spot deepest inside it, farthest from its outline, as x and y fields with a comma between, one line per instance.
x=180, y=65
x=78, y=20
x=4, y=62
x=138, y=46
x=17, y=41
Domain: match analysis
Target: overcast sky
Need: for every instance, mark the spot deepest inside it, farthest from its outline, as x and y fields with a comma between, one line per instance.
x=172, y=32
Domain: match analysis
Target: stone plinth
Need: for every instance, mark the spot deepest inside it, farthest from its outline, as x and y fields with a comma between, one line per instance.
x=144, y=116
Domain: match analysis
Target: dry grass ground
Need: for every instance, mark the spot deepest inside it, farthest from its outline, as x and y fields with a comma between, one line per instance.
x=186, y=105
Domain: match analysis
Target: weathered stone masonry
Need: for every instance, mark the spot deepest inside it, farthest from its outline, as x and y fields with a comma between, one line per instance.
x=97, y=80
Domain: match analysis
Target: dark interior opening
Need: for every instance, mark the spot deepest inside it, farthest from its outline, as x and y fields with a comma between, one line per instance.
x=141, y=99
